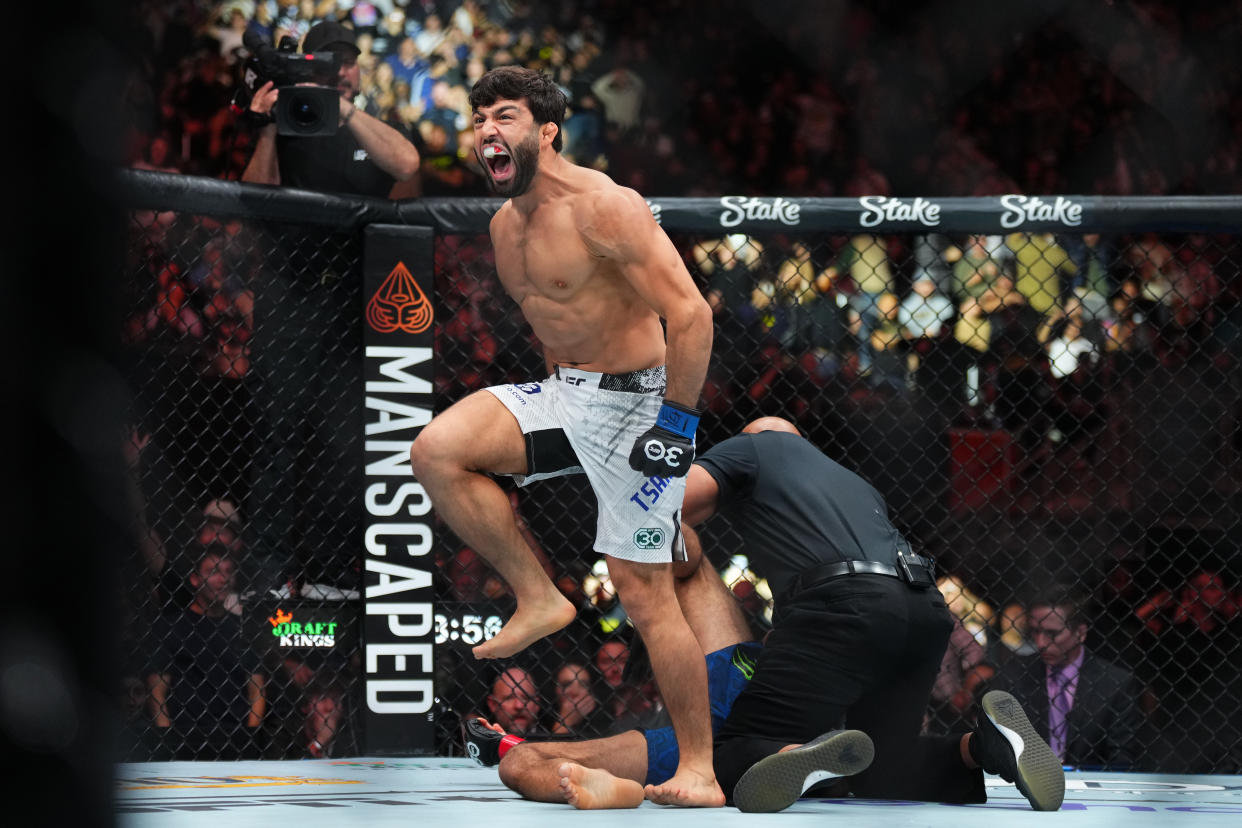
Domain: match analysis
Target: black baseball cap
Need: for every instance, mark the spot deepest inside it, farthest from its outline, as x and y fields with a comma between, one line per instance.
x=329, y=35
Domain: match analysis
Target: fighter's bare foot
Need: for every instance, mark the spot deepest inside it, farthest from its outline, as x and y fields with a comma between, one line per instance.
x=591, y=788
x=531, y=622
x=687, y=789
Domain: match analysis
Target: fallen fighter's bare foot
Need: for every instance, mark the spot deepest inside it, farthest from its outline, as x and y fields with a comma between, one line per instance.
x=687, y=790
x=531, y=622
x=591, y=788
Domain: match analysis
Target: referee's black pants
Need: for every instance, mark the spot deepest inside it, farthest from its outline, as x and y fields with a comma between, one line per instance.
x=858, y=652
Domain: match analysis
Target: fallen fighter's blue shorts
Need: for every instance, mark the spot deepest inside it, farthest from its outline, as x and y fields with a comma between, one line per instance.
x=728, y=670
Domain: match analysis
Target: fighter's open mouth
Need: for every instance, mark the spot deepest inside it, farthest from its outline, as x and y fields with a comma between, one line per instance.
x=498, y=161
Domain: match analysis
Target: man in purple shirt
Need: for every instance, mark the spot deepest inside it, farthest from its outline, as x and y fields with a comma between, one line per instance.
x=1084, y=706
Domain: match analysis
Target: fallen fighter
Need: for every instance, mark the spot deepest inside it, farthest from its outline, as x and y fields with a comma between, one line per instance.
x=611, y=772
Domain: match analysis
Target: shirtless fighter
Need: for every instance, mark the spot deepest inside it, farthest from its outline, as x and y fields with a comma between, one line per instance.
x=594, y=275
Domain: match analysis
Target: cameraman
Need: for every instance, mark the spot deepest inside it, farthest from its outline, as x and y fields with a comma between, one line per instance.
x=365, y=157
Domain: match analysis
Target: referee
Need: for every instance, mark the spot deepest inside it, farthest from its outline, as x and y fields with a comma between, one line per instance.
x=859, y=631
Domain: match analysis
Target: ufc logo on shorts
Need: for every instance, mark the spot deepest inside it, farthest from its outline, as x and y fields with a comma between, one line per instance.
x=655, y=450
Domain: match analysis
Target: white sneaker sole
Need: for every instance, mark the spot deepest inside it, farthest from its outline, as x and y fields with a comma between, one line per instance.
x=1040, y=777
x=775, y=782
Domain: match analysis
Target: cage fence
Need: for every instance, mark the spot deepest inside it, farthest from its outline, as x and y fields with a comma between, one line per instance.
x=1037, y=408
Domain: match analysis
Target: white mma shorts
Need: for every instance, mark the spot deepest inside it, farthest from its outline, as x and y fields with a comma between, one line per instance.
x=583, y=422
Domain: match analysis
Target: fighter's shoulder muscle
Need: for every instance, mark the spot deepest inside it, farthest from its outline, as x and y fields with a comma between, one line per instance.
x=502, y=218
x=608, y=216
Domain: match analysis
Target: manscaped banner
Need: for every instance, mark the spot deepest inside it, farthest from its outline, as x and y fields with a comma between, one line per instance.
x=398, y=597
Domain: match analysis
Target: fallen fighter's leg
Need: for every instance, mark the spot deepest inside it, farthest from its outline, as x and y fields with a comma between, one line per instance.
x=605, y=773
x=545, y=771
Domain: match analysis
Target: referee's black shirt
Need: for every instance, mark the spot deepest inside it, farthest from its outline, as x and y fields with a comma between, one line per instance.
x=797, y=508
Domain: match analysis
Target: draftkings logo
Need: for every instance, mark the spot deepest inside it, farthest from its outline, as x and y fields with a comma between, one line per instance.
x=400, y=305
x=310, y=634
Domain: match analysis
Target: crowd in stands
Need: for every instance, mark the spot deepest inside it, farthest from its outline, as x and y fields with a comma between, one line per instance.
x=791, y=99
x=1026, y=332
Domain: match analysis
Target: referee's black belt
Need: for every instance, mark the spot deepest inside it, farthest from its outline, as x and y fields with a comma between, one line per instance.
x=917, y=571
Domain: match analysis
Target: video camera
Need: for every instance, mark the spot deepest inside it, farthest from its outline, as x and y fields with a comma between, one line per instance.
x=300, y=109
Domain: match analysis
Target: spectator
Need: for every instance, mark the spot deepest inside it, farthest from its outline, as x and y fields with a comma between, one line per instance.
x=627, y=690
x=431, y=35
x=221, y=524
x=886, y=345
x=390, y=34
x=964, y=670
x=513, y=702
x=207, y=691
x=1205, y=603
x=1070, y=347
x=1022, y=390
x=1149, y=258
x=379, y=99
x=864, y=258
x=1127, y=332
x=471, y=579
x=1192, y=631
x=404, y=114
x=229, y=30
x=294, y=20
x=973, y=328
x=443, y=172
x=158, y=156
x=364, y=156
x=822, y=332
x=934, y=255
x=578, y=711
x=408, y=64
x=621, y=92
x=727, y=264
x=1094, y=259
x=1043, y=270
x=326, y=729
x=442, y=113
x=367, y=59
x=1086, y=707
x=584, y=130
x=134, y=743
x=603, y=599
x=1011, y=639
x=795, y=276
x=975, y=613
x=730, y=266
x=975, y=269
x=924, y=311
x=610, y=660
x=935, y=363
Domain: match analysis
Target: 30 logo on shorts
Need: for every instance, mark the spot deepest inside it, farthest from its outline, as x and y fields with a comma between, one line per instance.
x=649, y=538
x=528, y=387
